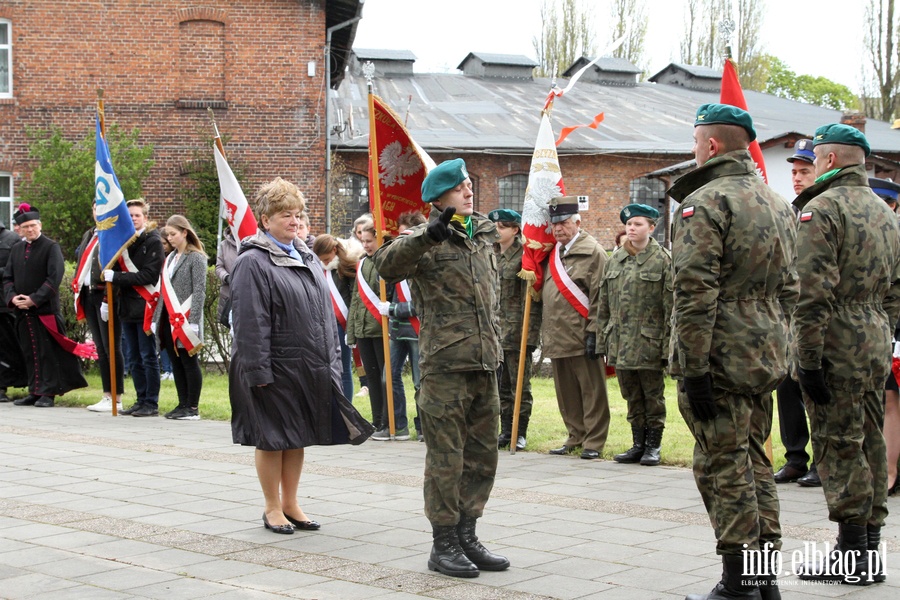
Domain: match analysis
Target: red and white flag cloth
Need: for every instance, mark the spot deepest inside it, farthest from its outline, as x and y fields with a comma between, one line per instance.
x=405, y=295
x=337, y=301
x=567, y=287
x=733, y=95
x=235, y=207
x=150, y=293
x=83, y=276
x=179, y=313
x=544, y=184
x=367, y=294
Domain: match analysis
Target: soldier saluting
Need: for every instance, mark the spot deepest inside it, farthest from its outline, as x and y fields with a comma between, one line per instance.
x=452, y=272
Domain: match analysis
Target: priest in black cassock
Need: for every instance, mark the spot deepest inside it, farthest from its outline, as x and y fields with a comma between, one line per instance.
x=31, y=288
x=12, y=365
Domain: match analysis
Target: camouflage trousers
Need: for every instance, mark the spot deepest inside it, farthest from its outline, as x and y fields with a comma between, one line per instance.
x=733, y=473
x=850, y=455
x=460, y=416
x=509, y=375
x=645, y=392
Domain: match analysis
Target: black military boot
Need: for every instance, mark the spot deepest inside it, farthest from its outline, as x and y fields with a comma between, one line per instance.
x=447, y=556
x=522, y=434
x=483, y=558
x=873, y=535
x=846, y=562
x=734, y=585
x=768, y=584
x=505, y=430
x=652, y=446
x=633, y=454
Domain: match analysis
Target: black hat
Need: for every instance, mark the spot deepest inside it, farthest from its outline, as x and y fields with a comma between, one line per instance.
x=885, y=189
x=562, y=208
x=26, y=213
x=803, y=150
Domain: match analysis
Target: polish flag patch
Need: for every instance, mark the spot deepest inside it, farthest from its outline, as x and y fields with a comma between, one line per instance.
x=687, y=211
x=806, y=216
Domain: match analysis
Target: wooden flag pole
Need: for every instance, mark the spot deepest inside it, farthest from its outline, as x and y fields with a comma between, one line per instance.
x=217, y=140
x=110, y=323
x=379, y=233
x=523, y=350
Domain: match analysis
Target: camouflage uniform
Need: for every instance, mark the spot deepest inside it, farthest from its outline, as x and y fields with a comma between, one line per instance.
x=512, y=314
x=849, y=267
x=454, y=289
x=735, y=283
x=634, y=327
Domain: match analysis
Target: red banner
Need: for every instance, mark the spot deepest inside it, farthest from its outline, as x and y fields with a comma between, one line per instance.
x=733, y=95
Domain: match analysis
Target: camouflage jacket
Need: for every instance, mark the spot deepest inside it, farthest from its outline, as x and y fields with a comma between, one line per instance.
x=512, y=301
x=735, y=279
x=849, y=268
x=635, y=308
x=454, y=289
x=563, y=329
x=360, y=322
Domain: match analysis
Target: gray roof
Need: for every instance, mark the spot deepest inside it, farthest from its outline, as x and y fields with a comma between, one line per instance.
x=452, y=112
x=695, y=70
x=517, y=60
x=370, y=54
x=607, y=63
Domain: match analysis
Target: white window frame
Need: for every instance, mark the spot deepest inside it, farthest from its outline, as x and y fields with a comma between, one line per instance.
x=8, y=200
x=8, y=46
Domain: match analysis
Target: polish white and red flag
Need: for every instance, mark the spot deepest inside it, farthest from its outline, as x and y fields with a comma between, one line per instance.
x=234, y=204
x=733, y=94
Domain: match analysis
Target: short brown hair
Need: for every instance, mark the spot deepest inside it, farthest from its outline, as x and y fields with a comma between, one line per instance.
x=276, y=196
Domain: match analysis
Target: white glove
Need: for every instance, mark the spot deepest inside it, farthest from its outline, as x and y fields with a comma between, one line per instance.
x=153, y=328
x=104, y=311
x=383, y=308
x=108, y=275
x=896, y=349
x=195, y=327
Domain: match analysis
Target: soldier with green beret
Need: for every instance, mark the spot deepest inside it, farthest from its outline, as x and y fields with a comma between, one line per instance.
x=452, y=272
x=849, y=267
x=733, y=253
x=634, y=326
x=512, y=312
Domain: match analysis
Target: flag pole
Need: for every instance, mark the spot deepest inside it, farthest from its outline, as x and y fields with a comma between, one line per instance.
x=218, y=142
x=110, y=323
x=369, y=71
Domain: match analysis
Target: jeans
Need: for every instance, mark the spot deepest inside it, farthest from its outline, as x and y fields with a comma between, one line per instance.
x=144, y=365
x=400, y=350
x=165, y=363
x=346, y=366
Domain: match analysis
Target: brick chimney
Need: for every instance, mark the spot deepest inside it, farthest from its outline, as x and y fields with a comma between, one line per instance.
x=854, y=119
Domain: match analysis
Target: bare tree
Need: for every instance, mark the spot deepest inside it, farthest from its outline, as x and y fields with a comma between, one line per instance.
x=880, y=43
x=690, y=39
x=567, y=35
x=629, y=16
x=752, y=64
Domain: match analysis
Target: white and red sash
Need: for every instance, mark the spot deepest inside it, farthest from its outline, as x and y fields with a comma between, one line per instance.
x=405, y=295
x=83, y=276
x=337, y=301
x=567, y=287
x=150, y=293
x=367, y=294
x=179, y=312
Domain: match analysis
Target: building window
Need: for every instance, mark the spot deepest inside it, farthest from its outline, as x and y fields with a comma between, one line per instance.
x=351, y=201
x=651, y=192
x=6, y=198
x=512, y=192
x=5, y=59
x=201, y=64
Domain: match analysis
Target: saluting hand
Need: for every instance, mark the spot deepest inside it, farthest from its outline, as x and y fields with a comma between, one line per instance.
x=439, y=229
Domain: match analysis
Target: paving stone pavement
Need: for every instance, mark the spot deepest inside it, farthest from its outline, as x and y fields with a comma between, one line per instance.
x=98, y=507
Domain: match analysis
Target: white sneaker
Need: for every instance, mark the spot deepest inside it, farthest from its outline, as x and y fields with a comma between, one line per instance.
x=363, y=391
x=105, y=405
x=167, y=377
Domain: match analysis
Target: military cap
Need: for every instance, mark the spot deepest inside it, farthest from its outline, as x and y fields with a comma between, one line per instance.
x=26, y=213
x=838, y=133
x=443, y=177
x=803, y=151
x=725, y=114
x=885, y=189
x=506, y=215
x=563, y=207
x=638, y=210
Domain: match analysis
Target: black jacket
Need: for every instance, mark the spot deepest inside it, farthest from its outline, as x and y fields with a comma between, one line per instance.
x=146, y=253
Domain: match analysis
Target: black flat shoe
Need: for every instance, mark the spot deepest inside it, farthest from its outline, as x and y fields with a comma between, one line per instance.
x=304, y=525
x=26, y=401
x=561, y=450
x=588, y=454
x=286, y=529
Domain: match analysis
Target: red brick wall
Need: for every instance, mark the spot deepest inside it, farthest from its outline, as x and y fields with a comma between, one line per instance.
x=605, y=179
x=250, y=55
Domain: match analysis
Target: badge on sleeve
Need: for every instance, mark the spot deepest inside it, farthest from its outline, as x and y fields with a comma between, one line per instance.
x=687, y=211
x=806, y=216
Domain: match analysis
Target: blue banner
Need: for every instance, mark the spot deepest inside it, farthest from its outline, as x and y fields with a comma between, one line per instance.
x=114, y=227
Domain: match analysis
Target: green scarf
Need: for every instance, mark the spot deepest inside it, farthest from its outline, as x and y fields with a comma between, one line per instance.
x=827, y=175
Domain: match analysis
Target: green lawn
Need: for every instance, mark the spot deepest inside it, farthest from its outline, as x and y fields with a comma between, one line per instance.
x=546, y=430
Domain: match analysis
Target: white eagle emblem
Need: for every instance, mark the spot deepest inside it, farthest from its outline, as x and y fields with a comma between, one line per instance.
x=396, y=163
x=537, y=201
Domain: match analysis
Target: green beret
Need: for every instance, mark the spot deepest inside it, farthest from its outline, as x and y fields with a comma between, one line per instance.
x=506, y=215
x=443, y=177
x=638, y=210
x=838, y=133
x=725, y=114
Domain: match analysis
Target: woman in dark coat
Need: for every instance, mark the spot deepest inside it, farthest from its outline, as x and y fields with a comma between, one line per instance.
x=286, y=381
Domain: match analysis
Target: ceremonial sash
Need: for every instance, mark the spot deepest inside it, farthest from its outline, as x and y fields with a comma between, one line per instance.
x=567, y=287
x=337, y=301
x=366, y=294
x=83, y=276
x=179, y=312
x=150, y=293
x=85, y=350
x=405, y=295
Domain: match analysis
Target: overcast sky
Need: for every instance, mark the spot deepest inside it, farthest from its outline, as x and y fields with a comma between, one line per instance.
x=441, y=34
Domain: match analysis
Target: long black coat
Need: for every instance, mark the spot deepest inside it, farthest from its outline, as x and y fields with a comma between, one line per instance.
x=285, y=339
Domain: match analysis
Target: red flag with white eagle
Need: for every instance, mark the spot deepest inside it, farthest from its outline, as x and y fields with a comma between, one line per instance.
x=733, y=95
x=234, y=204
x=544, y=184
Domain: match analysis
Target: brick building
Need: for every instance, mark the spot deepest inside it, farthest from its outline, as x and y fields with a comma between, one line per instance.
x=260, y=64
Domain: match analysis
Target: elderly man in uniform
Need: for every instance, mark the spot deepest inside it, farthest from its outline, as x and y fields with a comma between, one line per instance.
x=452, y=273
x=570, y=299
x=791, y=413
x=849, y=267
x=733, y=253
